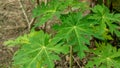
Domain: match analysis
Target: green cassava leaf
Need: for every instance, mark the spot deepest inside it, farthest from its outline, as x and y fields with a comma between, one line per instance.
x=40, y=52
x=75, y=28
x=106, y=57
x=56, y=8
x=105, y=20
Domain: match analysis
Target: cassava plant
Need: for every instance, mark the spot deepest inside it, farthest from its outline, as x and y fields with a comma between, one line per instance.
x=53, y=8
x=74, y=32
x=38, y=51
x=104, y=21
x=106, y=56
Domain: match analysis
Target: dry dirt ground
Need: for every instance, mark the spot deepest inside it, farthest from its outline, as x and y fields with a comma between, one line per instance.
x=12, y=24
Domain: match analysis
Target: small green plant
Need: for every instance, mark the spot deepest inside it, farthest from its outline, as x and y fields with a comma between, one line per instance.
x=74, y=32
x=40, y=51
x=106, y=56
x=56, y=8
x=105, y=21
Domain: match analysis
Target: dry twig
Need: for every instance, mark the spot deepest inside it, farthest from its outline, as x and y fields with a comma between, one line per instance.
x=24, y=12
x=30, y=23
x=76, y=62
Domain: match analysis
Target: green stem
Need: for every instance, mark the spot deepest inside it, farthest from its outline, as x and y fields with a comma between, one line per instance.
x=71, y=58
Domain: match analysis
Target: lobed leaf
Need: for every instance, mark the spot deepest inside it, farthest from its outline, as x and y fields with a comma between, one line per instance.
x=106, y=57
x=56, y=8
x=75, y=28
x=40, y=52
x=105, y=20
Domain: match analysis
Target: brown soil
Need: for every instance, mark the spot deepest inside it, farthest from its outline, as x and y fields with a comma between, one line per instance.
x=12, y=24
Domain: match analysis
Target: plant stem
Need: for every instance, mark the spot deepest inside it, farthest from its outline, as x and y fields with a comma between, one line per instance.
x=71, y=58
x=38, y=2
